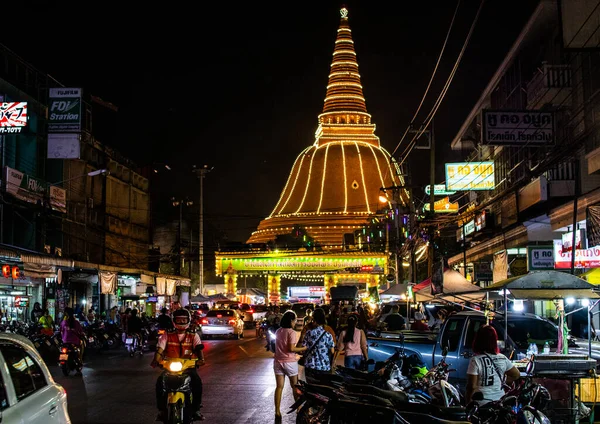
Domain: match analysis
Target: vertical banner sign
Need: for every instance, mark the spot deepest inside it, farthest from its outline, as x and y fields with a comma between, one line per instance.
x=65, y=110
x=437, y=277
x=593, y=225
x=500, y=271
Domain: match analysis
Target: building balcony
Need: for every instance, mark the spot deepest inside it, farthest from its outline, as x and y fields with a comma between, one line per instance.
x=551, y=84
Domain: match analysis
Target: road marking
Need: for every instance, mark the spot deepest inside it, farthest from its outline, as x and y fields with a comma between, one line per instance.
x=246, y=416
x=268, y=392
x=244, y=350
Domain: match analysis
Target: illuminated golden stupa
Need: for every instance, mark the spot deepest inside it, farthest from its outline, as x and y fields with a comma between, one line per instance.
x=334, y=185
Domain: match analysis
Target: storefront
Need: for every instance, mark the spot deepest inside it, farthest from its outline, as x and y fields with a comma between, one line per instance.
x=19, y=294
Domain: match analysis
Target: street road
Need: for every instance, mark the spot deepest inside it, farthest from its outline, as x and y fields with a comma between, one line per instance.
x=238, y=386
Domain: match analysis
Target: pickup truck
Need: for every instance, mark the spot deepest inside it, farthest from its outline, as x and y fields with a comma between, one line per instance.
x=457, y=335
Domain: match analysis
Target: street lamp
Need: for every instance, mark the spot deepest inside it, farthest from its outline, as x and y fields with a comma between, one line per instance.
x=89, y=174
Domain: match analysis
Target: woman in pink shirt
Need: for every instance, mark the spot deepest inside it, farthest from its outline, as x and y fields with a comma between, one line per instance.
x=285, y=362
x=353, y=343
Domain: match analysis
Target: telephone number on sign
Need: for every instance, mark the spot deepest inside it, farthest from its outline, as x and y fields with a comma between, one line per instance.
x=10, y=130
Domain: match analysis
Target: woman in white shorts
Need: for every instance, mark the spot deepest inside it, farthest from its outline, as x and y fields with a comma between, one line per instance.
x=285, y=362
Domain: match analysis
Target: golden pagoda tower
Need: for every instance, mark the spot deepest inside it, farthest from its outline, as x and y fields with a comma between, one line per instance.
x=335, y=183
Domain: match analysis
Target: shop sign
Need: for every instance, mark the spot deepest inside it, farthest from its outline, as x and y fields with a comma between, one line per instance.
x=304, y=263
x=306, y=291
x=438, y=190
x=64, y=114
x=540, y=258
x=518, y=267
x=13, y=117
x=584, y=258
x=513, y=128
x=443, y=206
x=467, y=176
x=483, y=271
x=33, y=190
x=21, y=301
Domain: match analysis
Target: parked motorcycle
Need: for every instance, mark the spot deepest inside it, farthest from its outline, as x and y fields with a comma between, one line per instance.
x=68, y=359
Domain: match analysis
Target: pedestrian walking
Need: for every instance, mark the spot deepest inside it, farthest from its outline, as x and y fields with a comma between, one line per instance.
x=353, y=344
x=319, y=343
x=284, y=361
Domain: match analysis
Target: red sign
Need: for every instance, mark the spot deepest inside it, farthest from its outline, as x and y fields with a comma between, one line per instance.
x=13, y=117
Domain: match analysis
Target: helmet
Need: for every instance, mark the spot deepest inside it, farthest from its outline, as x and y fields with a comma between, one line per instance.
x=181, y=319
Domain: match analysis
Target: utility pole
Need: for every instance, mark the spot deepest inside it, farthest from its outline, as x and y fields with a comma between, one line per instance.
x=201, y=173
x=180, y=203
x=431, y=199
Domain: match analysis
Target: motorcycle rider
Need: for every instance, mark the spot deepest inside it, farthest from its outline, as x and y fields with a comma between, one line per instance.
x=180, y=343
x=164, y=320
x=135, y=325
x=72, y=332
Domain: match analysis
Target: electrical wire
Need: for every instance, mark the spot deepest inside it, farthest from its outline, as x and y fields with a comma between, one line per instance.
x=430, y=79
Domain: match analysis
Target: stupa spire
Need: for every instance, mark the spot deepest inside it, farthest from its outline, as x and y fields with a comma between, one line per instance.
x=344, y=90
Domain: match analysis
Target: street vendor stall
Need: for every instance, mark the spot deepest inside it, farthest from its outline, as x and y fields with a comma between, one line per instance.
x=456, y=288
x=560, y=364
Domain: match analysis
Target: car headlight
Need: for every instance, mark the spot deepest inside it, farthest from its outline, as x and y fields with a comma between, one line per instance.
x=175, y=366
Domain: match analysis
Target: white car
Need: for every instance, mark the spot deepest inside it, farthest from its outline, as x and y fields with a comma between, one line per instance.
x=28, y=393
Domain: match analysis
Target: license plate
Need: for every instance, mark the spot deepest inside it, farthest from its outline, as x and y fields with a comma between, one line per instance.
x=106, y=336
x=128, y=341
x=48, y=343
x=63, y=357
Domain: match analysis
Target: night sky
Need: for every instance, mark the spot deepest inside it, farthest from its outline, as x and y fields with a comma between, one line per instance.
x=238, y=86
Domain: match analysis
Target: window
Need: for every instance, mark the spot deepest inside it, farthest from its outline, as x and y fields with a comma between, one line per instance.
x=25, y=373
x=474, y=326
x=452, y=334
x=3, y=396
x=223, y=312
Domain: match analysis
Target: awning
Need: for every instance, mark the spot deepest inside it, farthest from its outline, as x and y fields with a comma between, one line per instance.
x=592, y=276
x=396, y=290
x=546, y=285
x=455, y=288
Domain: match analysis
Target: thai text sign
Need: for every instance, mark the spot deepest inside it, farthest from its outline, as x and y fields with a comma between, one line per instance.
x=33, y=190
x=64, y=114
x=443, y=206
x=438, y=190
x=297, y=263
x=506, y=128
x=540, y=258
x=584, y=258
x=13, y=117
x=466, y=176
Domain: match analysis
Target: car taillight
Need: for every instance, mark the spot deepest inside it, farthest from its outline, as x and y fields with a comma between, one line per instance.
x=251, y=311
x=204, y=321
x=64, y=350
x=232, y=322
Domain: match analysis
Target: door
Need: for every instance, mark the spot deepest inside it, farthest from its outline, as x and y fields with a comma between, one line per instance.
x=37, y=401
x=451, y=336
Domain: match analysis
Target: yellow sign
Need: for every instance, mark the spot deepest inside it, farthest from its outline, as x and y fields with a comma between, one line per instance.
x=443, y=206
x=466, y=176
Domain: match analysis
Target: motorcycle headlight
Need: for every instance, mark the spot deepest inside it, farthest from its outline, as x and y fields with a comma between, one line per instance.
x=175, y=366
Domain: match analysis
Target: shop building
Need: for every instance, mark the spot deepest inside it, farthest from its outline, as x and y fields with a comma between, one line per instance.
x=536, y=127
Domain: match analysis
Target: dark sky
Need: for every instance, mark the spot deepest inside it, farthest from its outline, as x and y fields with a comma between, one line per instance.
x=238, y=86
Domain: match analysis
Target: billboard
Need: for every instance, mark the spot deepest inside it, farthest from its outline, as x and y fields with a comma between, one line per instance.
x=13, y=117
x=466, y=176
x=33, y=190
x=63, y=146
x=64, y=114
x=517, y=128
